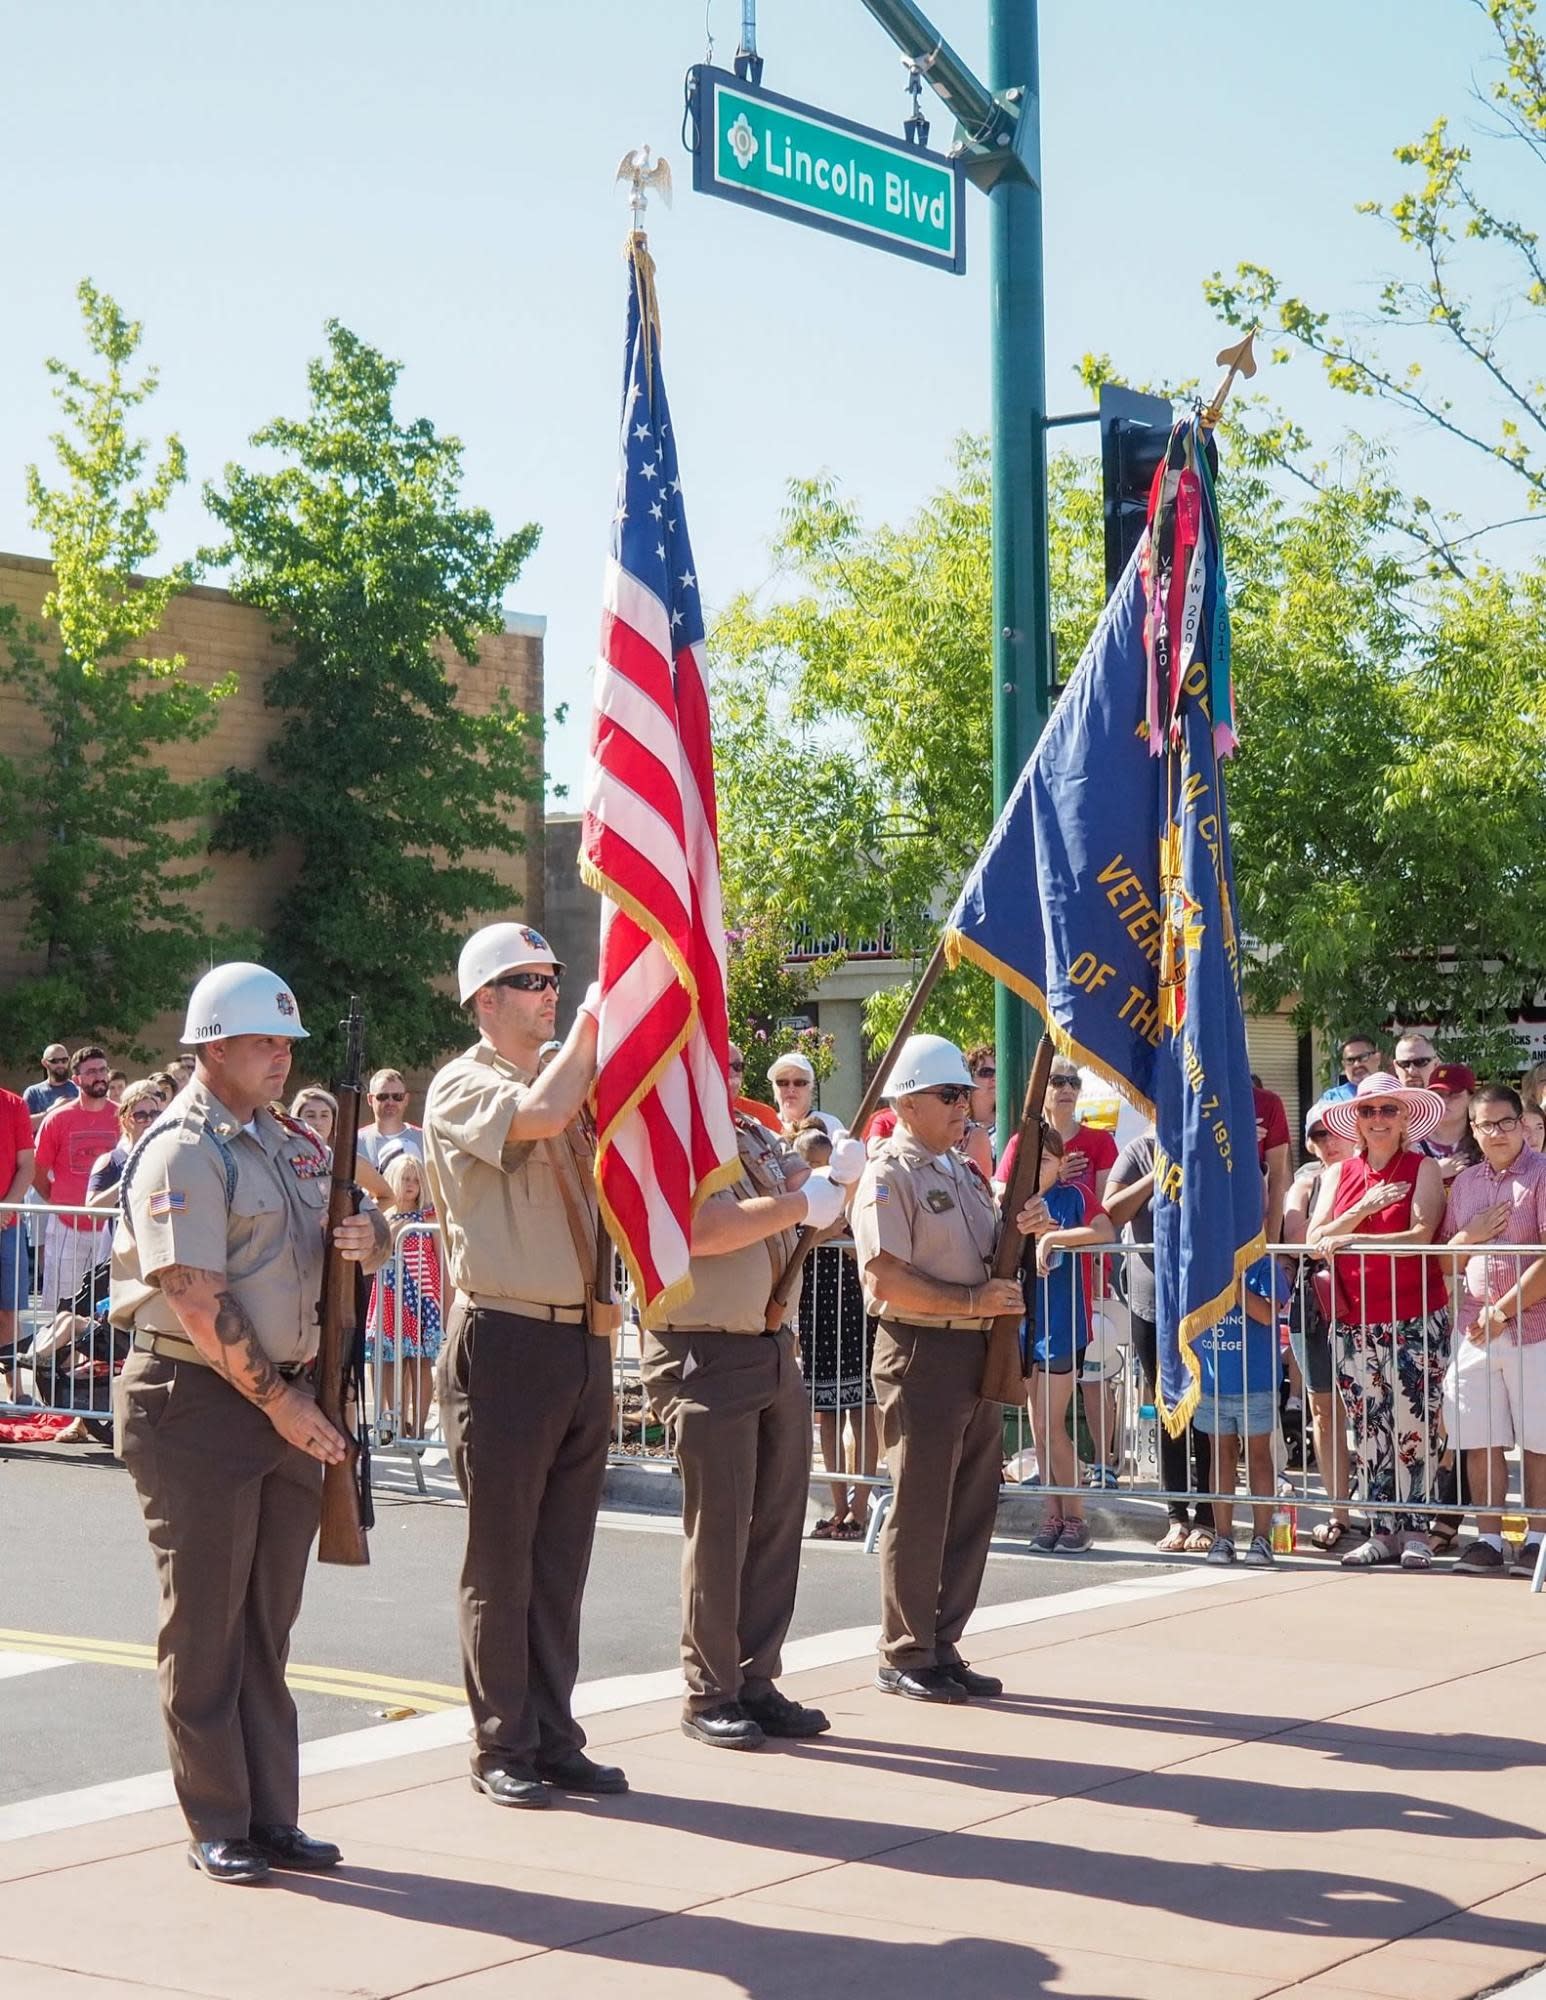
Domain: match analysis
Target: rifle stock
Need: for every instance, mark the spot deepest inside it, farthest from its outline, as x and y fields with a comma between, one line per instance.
x=1002, y=1378
x=341, y=1538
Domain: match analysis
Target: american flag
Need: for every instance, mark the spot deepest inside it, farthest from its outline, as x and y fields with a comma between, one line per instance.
x=664, y=1134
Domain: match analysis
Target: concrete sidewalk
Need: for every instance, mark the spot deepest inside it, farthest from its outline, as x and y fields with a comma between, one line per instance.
x=1244, y=1784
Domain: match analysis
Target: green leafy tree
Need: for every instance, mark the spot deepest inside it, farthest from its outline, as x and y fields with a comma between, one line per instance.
x=100, y=841
x=761, y=991
x=1467, y=311
x=379, y=581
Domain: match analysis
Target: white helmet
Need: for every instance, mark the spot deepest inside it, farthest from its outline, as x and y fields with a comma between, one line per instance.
x=241, y=999
x=923, y=1062
x=500, y=948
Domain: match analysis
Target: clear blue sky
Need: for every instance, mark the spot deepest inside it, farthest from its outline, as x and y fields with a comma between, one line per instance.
x=440, y=178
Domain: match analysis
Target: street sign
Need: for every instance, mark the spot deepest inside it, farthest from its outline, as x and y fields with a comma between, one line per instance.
x=789, y=159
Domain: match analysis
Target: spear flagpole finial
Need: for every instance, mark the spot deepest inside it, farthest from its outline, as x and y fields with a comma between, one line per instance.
x=1237, y=360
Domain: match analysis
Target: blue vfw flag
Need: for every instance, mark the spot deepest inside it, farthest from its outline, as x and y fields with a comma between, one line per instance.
x=1105, y=897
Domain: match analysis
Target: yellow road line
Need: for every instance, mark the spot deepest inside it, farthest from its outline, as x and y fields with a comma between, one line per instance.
x=350, y=1684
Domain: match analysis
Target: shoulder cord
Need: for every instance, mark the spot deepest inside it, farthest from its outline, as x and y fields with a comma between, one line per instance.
x=166, y=1123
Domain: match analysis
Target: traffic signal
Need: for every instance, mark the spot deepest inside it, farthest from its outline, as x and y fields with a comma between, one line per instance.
x=1134, y=430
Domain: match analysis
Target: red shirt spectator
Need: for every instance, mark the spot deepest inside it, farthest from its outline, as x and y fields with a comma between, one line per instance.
x=71, y=1140
x=15, y=1142
x=881, y=1126
x=1098, y=1147
x=1271, y=1124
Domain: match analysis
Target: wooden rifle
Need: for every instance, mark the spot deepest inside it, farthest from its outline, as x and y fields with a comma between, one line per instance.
x=346, y=1502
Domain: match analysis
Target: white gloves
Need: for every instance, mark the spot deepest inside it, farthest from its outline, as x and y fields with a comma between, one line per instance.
x=847, y=1161
x=823, y=1200
x=591, y=1004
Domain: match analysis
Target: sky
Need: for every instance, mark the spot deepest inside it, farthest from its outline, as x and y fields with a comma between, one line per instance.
x=441, y=178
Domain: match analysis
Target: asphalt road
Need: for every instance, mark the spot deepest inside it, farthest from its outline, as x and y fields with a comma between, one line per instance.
x=77, y=1585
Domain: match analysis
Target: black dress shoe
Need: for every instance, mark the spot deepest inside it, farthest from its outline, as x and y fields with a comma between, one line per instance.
x=228, y=1860
x=920, y=1684
x=776, y=1715
x=983, y=1686
x=575, y=1772
x=511, y=1785
x=728, y=1727
x=288, y=1847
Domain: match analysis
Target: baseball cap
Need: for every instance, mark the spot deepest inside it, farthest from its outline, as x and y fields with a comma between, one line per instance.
x=1453, y=1078
x=792, y=1063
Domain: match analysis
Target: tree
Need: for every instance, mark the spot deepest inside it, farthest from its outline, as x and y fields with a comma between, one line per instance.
x=1460, y=244
x=1386, y=802
x=102, y=840
x=760, y=992
x=378, y=581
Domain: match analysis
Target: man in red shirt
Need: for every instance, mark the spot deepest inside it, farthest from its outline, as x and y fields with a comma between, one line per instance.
x=71, y=1139
x=15, y=1179
x=1272, y=1155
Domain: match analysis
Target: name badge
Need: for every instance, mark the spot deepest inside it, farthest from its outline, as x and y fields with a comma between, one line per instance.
x=938, y=1201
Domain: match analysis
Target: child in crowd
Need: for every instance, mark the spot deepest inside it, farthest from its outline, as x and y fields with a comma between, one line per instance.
x=1534, y=1126
x=1240, y=1364
x=1064, y=1217
x=407, y=1327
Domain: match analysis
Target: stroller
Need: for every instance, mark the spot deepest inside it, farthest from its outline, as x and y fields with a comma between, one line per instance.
x=75, y=1359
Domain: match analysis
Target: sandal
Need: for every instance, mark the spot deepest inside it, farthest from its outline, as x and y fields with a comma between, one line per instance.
x=1376, y=1553
x=1417, y=1555
x=1175, y=1538
x=1199, y=1541
x=848, y=1531
x=1329, y=1536
x=825, y=1531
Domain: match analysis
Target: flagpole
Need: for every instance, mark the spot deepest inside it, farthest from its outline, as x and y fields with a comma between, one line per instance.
x=1003, y=1374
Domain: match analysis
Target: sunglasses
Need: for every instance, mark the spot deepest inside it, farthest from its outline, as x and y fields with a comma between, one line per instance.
x=983, y=1075
x=736, y=1068
x=1379, y=1111
x=791, y=1083
x=143, y=1114
x=528, y=982
x=1064, y=1081
x=390, y=1097
x=1318, y=1132
x=948, y=1093
x=1358, y=1055
x=1417, y=1062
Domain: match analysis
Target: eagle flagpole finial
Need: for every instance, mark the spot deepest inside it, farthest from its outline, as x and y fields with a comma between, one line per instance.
x=644, y=179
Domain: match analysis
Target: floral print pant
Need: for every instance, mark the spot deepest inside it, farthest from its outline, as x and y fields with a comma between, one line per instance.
x=1392, y=1380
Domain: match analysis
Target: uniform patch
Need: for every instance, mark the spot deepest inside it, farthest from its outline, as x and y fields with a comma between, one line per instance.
x=308, y=1166
x=168, y=1201
x=937, y=1201
x=882, y=1194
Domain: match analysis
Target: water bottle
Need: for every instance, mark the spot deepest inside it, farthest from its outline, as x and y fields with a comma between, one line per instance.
x=1284, y=1530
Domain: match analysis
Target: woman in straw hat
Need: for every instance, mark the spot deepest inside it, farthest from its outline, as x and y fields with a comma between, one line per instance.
x=1392, y=1311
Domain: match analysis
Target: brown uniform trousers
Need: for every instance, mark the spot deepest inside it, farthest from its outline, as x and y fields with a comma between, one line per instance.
x=944, y=1451
x=526, y=1405
x=741, y=1429
x=231, y=1509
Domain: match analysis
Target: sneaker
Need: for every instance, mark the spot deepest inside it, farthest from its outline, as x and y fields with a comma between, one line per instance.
x=1259, y=1555
x=1481, y=1559
x=1524, y=1560
x=1103, y=1477
x=1046, y=1536
x=1075, y=1538
x=1223, y=1550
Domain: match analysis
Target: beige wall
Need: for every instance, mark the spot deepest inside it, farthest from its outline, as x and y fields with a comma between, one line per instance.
x=220, y=637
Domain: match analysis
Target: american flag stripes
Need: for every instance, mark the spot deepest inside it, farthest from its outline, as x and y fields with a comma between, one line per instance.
x=664, y=1134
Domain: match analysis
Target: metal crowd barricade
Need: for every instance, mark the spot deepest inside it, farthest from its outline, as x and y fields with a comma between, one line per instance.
x=57, y=1353
x=1088, y=1427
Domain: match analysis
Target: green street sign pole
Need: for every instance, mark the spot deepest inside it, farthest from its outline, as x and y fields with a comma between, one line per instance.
x=998, y=142
x=1022, y=609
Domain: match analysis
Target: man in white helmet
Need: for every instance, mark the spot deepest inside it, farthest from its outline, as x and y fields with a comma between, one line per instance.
x=925, y=1228
x=217, y=1271
x=731, y=1394
x=525, y=1372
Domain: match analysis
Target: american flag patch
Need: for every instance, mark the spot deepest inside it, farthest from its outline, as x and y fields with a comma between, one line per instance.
x=882, y=1194
x=168, y=1201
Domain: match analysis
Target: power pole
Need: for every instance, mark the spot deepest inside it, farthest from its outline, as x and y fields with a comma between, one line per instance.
x=998, y=140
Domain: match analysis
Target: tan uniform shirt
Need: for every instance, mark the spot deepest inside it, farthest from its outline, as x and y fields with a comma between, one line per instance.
x=730, y=1293
x=266, y=1241
x=928, y=1209
x=505, y=1225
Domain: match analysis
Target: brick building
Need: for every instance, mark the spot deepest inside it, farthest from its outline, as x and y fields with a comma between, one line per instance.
x=217, y=637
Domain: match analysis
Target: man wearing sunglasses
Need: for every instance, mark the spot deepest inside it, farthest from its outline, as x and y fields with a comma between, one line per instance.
x=925, y=1228
x=388, y=1097
x=524, y=1376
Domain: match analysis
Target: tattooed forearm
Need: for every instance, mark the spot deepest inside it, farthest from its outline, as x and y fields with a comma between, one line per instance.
x=218, y=1324
x=243, y=1363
